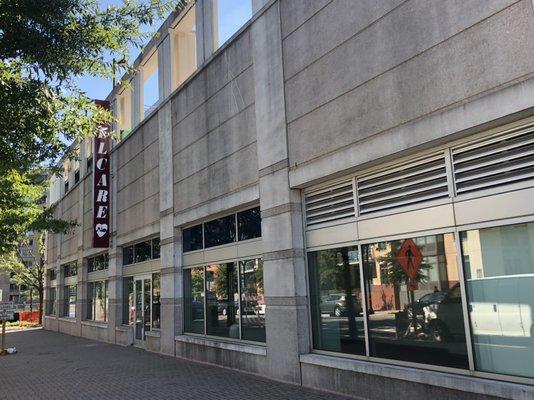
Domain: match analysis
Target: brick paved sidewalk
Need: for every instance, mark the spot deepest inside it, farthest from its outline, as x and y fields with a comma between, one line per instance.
x=54, y=366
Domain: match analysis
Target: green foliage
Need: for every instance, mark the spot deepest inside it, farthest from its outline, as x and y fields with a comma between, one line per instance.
x=44, y=47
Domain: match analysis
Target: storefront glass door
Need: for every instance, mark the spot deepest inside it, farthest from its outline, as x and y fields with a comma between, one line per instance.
x=142, y=295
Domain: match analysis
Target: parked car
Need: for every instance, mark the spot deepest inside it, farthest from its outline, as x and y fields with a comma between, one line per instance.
x=336, y=304
x=442, y=314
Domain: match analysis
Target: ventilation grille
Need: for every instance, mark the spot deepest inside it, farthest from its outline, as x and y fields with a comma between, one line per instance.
x=494, y=162
x=330, y=204
x=411, y=183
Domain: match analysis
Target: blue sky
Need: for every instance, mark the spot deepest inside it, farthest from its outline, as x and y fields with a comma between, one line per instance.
x=231, y=15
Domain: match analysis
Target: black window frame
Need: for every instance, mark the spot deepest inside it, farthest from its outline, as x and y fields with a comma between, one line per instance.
x=189, y=245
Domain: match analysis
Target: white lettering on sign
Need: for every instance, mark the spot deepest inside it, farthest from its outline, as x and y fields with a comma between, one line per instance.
x=101, y=188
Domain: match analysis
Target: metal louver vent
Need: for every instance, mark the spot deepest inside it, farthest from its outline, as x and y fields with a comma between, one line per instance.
x=330, y=204
x=501, y=160
x=410, y=183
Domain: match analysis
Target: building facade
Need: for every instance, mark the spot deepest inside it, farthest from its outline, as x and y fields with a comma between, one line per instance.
x=332, y=193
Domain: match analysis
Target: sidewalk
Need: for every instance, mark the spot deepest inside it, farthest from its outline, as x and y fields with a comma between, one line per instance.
x=50, y=365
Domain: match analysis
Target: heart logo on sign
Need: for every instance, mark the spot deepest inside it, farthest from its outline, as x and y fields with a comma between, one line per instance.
x=101, y=229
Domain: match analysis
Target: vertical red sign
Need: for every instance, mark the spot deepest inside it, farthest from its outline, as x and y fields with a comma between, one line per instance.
x=101, y=185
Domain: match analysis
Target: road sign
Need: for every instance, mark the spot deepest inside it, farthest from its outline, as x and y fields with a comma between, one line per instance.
x=410, y=258
x=7, y=309
x=6, y=315
x=6, y=305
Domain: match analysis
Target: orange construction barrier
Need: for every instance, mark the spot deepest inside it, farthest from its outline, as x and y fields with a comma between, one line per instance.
x=31, y=317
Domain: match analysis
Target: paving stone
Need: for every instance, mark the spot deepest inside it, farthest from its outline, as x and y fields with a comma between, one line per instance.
x=51, y=365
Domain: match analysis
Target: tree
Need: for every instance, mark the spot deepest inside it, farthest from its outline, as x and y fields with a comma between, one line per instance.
x=44, y=47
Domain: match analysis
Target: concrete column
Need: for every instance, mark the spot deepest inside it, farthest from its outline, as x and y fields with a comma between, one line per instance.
x=282, y=231
x=164, y=68
x=170, y=276
x=115, y=299
x=80, y=294
x=82, y=291
x=204, y=30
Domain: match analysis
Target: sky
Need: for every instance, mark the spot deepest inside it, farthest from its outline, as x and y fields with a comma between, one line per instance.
x=231, y=16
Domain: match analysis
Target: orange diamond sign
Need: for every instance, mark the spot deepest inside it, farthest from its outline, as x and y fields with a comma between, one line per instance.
x=409, y=257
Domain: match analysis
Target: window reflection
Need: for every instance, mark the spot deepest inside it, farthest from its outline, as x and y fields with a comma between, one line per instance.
x=143, y=251
x=156, y=306
x=415, y=306
x=97, y=301
x=192, y=238
x=51, y=302
x=252, y=300
x=338, y=323
x=249, y=224
x=69, y=301
x=499, y=270
x=194, y=300
x=128, y=310
x=222, y=300
x=220, y=231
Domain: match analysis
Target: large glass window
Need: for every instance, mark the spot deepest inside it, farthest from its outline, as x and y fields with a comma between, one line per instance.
x=222, y=300
x=156, y=297
x=194, y=300
x=415, y=308
x=249, y=224
x=228, y=299
x=252, y=300
x=98, y=263
x=336, y=300
x=51, y=301
x=229, y=16
x=97, y=301
x=499, y=272
x=220, y=231
x=69, y=301
x=192, y=238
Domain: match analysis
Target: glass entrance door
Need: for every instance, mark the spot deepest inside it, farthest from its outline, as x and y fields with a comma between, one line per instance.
x=142, y=295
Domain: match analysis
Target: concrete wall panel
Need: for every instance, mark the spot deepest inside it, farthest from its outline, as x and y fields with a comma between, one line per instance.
x=494, y=52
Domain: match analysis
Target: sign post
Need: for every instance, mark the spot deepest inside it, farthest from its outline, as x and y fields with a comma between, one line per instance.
x=6, y=313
